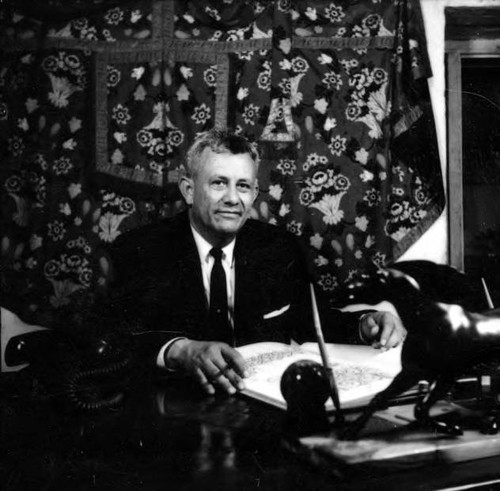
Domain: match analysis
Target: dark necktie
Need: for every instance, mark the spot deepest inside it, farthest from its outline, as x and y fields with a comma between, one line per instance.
x=219, y=321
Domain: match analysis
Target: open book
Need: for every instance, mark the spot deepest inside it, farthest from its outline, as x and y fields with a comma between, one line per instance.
x=360, y=371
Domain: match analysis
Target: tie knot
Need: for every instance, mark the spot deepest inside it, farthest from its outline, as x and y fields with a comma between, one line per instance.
x=216, y=252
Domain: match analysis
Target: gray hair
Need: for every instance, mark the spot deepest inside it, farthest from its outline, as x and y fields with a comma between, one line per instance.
x=219, y=141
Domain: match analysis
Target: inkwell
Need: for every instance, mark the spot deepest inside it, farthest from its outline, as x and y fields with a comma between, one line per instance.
x=306, y=386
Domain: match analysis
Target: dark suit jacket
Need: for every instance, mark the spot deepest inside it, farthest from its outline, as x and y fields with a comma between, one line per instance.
x=158, y=287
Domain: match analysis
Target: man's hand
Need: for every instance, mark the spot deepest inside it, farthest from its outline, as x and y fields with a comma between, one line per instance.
x=382, y=329
x=213, y=364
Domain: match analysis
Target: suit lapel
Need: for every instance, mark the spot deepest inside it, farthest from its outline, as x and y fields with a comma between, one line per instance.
x=187, y=305
x=247, y=291
x=190, y=267
x=240, y=287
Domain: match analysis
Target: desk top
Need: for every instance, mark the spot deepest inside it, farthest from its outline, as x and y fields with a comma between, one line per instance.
x=167, y=435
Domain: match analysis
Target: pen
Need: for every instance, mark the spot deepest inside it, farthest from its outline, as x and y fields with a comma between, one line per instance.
x=334, y=393
x=487, y=293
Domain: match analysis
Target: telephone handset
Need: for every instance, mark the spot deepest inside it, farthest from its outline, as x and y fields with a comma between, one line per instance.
x=84, y=372
x=101, y=381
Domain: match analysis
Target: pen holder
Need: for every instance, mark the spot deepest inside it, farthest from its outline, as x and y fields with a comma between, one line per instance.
x=305, y=389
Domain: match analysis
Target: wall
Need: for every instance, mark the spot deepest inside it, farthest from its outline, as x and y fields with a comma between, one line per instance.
x=433, y=245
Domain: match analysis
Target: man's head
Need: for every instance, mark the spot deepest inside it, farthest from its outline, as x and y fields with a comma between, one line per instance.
x=220, y=184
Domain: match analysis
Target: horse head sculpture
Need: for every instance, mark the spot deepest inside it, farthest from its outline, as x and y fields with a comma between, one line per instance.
x=444, y=340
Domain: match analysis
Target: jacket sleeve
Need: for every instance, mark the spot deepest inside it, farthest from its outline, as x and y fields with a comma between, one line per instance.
x=123, y=308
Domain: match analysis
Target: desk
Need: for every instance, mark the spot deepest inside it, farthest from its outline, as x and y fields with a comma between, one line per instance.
x=168, y=436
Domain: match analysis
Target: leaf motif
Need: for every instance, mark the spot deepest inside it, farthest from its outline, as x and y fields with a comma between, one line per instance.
x=381, y=160
x=85, y=207
x=55, y=129
x=167, y=77
x=96, y=215
x=264, y=210
x=18, y=250
x=349, y=240
x=42, y=121
x=62, y=290
x=156, y=78
x=109, y=226
x=336, y=247
x=20, y=216
x=329, y=205
x=137, y=72
x=104, y=264
x=140, y=93
x=309, y=124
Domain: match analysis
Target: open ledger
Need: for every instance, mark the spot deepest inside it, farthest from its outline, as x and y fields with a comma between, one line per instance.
x=360, y=371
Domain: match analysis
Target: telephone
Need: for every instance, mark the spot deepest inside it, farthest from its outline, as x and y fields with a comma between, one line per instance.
x=101, y=379
x=83, y=372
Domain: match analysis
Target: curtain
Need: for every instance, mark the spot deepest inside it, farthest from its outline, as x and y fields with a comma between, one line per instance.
x=99, y=102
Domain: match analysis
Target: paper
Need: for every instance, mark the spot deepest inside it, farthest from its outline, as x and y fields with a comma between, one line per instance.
x=360, y=371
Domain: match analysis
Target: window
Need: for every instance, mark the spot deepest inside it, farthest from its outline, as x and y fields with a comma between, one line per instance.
x=473, y=97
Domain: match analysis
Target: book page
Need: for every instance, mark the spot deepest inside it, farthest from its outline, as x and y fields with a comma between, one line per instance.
x=360, y=371
x=387, y=361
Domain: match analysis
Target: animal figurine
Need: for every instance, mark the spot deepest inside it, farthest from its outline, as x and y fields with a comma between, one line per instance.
x=444, y=341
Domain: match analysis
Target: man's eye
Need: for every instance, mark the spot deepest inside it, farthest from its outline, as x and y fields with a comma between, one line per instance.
x=243, y=186
x=218, y=184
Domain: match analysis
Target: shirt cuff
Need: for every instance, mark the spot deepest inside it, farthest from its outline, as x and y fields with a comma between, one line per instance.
x=160, y=359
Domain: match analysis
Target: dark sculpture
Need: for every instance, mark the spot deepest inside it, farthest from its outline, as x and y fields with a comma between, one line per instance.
x=444, y=340
x=305, y=389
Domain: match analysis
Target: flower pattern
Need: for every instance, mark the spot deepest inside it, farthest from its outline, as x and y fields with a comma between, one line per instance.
x=329, y=90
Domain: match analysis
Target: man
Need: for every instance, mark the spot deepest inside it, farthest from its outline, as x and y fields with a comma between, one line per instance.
x=167, y=272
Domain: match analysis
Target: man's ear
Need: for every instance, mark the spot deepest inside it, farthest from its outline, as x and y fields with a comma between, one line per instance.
x=255, y=191
x=186, y=186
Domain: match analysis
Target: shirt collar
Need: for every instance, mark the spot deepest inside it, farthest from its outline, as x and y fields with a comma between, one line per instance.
x=205, y=247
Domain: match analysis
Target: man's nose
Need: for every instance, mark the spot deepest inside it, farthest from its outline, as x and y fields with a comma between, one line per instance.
x=231, y=195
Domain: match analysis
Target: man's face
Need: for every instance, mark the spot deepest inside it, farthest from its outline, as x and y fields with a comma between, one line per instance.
x=221, y=195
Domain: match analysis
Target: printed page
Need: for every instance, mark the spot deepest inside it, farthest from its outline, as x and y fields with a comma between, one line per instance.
x=387, y=361
x=359, y=373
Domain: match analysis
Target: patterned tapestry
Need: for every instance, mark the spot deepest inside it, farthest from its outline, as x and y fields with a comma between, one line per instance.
x=99, y=102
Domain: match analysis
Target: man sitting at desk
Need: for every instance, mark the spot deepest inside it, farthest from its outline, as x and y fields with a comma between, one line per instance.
x=209, y=279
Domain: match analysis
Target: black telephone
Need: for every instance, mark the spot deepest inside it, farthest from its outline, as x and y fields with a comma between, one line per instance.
x=84, y=372
x=101, y=379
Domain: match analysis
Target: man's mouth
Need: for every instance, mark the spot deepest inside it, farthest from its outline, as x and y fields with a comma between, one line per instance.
x=229, y=213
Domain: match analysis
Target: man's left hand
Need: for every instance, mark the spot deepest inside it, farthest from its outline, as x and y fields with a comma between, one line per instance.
x=382, y=329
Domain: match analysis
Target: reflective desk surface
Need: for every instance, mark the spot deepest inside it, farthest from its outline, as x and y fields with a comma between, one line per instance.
x=166, y=435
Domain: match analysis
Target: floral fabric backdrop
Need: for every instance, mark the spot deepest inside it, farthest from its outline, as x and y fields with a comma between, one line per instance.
x=98, y=107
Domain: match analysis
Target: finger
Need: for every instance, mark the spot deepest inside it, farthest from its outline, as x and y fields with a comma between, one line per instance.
x=230, y=374
x=221, y=372
x=400, y=333
x=393, y=340
x=389, y=325
x=205, y=383
x=234, y=378
x=234, y=359
x=369, y=328
x=224, y=384
x=386, y=335
x=373, y=333
x=217, y=375
x=374, y=329
x=224, y=368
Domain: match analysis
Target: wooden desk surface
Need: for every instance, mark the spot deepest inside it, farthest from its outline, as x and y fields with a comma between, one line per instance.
x=168, y=436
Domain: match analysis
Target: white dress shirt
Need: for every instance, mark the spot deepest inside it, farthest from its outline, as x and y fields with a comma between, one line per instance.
x=207, y=263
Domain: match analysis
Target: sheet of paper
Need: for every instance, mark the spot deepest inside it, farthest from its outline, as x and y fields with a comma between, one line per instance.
x=388, y=361
x=360, y=371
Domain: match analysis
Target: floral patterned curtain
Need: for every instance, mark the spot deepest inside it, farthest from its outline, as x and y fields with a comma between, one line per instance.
x=98, y=107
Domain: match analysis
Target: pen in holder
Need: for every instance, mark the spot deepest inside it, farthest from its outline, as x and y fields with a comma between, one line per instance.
x=334, y=392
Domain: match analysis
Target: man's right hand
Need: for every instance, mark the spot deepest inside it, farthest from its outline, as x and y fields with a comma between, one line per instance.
x=215, y=365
